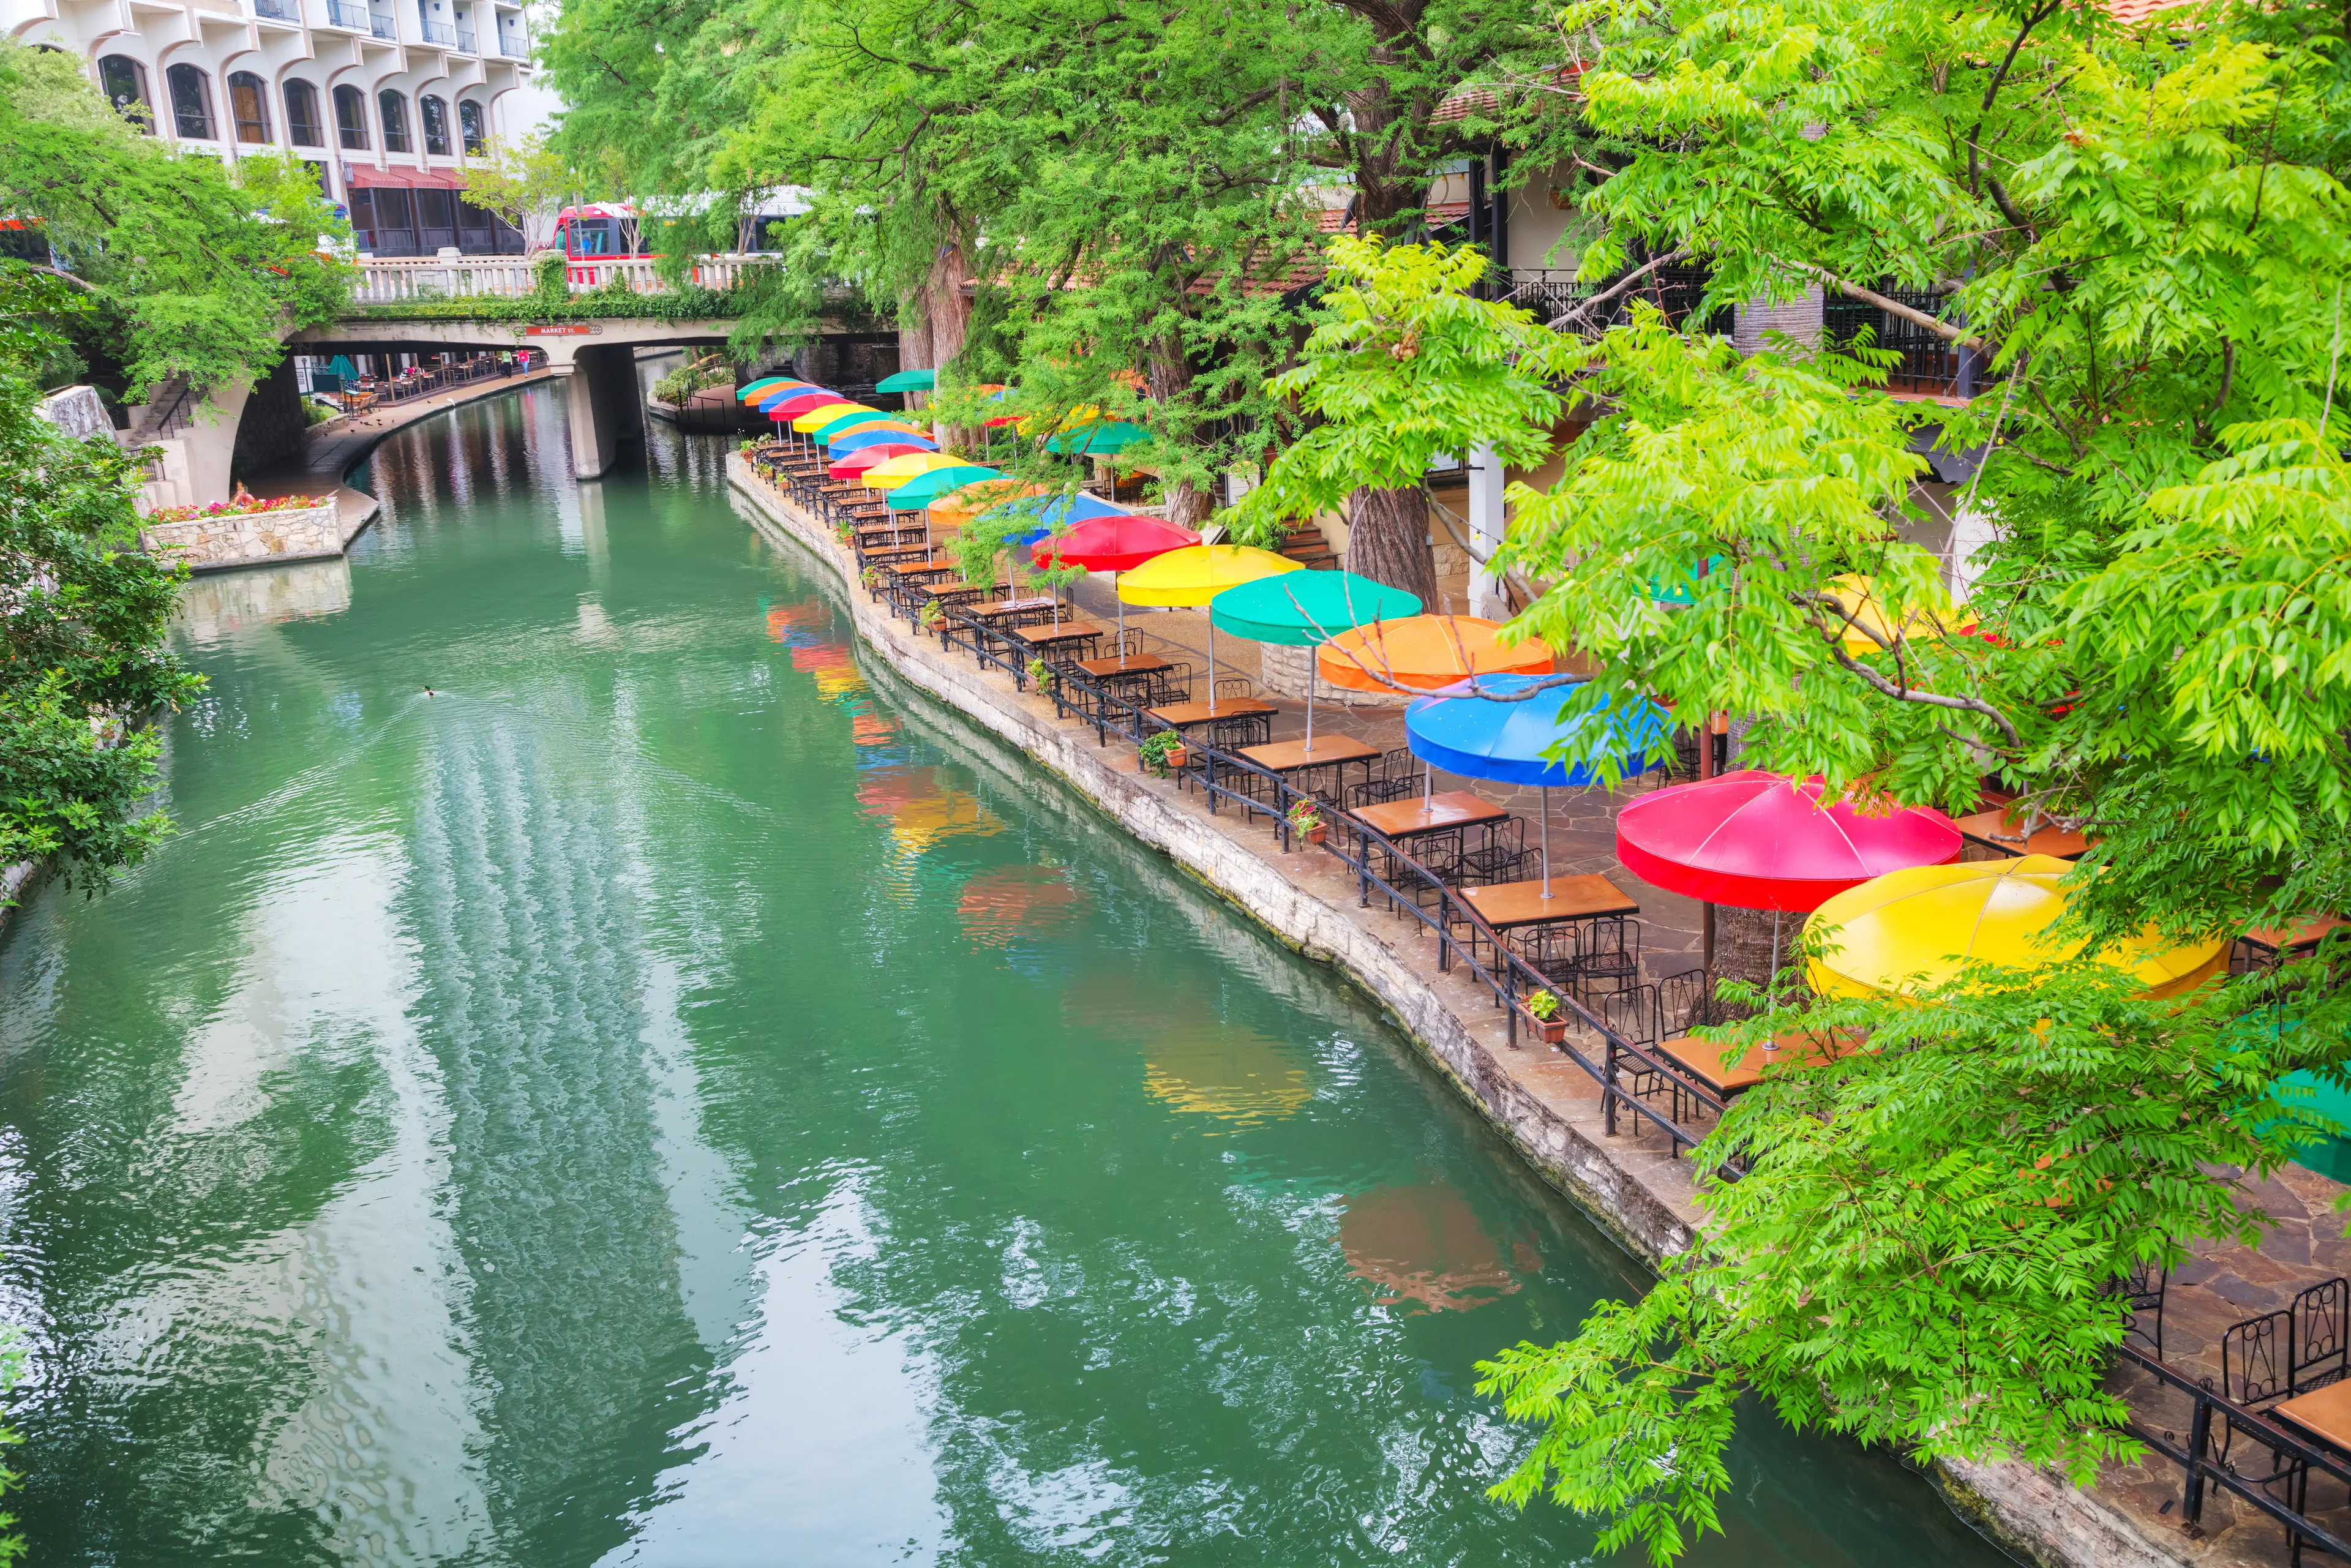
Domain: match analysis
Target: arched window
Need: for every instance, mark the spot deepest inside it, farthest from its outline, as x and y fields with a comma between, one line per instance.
x=395, y=121
x=191, y=103
x=248, y=106
x=302, y=115
x=350, y=118
x=469, y=126
x=434, y=113
x=124, y=82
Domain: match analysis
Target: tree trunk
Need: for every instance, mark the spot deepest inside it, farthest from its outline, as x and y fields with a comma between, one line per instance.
x=946, y=310
x=1387, y=541
x=1171, y=378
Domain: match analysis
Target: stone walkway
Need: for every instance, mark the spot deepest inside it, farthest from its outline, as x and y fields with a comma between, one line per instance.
x=2130, y=1516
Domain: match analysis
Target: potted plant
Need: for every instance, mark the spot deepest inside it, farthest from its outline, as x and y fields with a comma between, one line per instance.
x=1306, y=821
x=1040, y=674
x=1163, y=752
x=1543, y=1010
x=871, y=577
x=934, y=616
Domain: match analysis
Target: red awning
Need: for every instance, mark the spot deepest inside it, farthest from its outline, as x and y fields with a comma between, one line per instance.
x=364, y=177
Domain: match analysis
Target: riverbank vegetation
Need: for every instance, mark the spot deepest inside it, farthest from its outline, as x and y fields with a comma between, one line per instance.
x=83, y=668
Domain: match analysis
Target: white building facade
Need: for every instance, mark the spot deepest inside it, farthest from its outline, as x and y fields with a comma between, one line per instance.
x=387, y=99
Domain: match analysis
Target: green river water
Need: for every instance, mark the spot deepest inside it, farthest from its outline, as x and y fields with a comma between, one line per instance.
x=673, y=1098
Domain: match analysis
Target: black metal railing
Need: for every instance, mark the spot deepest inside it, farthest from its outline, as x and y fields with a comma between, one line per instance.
x=2215, y=1425
x=1929, y=363
x=1552, y=292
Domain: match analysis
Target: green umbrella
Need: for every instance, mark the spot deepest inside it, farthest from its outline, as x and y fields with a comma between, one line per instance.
x=1111, y=435
x=1302, y=609
x=925, y=489
x=909, y=380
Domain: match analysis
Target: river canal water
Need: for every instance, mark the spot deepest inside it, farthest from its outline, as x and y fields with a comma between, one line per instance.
x=669, y=1096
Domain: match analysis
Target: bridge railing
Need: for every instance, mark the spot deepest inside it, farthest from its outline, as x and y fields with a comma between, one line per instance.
x=392, y=280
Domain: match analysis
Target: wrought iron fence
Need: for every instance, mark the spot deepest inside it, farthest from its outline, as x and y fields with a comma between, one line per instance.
x=1552, y=292
x=2215, y=1426
x=1929, y=363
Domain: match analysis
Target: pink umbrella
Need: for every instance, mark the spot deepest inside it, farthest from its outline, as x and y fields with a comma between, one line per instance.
x=866, y=457
x=1761, y=841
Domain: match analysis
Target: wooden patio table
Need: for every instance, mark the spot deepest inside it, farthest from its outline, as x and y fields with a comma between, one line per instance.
x=2322, y=1413
x=2281, y=939
x=2052, y=841
x=1292, y=756
x=1443, y=812
x=1703, y=1060
x=1053, y=636
x=1124, y=664
x=1507, y=905
x=1185, y=716
x=994, y=608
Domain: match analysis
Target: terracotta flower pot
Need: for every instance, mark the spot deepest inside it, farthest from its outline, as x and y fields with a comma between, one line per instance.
x=1178, y=756
x=1553, y=1029
x=1314, y=835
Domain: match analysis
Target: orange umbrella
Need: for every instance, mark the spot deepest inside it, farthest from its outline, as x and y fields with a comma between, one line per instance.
x=1426, y=652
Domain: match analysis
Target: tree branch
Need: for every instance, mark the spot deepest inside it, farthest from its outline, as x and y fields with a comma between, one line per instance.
x=1560, y=323
x=1911, y=314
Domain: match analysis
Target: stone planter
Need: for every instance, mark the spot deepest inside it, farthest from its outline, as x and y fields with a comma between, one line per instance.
x=248, y=539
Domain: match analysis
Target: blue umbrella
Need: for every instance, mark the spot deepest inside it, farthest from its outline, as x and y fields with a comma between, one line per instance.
x=1058, y=513
x=1505, y=742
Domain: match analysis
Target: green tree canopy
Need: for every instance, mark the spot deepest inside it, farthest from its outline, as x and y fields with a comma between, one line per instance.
x=192, y=270
x=2142, y=234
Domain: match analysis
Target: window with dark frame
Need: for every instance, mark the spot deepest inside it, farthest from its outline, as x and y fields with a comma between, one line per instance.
x=434, y=113
x=350, y=118
x=248, y=106
x=124, y=82
x=394, y=110
x=469, y=127
x=302, y=115
x=191, y=103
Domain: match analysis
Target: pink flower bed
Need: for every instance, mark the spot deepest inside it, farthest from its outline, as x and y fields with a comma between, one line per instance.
x=241, y=507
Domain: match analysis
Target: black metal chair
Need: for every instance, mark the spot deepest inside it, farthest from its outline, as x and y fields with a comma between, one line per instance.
x=1377, y=791
x=2141, y=1291
x=1609, y=955
x=1688, y=1002
x=2322, y=1334
x=2257, y=1371
x=1493, y=857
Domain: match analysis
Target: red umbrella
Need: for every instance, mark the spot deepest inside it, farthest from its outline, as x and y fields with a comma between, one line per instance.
x=1120, y=542
x=1759, y=841
x=793, y=407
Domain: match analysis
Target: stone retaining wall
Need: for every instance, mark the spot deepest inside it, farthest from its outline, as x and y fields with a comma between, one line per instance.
x=249, y=539
x=1637, y=1194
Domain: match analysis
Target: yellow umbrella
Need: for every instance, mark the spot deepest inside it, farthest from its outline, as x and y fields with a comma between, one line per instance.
x=1195, y=574
x=1856, y=597
x=898, y=470
x=818, y=418
x=1926, y=920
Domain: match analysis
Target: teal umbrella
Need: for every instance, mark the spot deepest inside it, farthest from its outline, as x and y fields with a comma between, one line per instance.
x=909, y=380
x=923, y=489
x=1095, y=440
x=1302, y=609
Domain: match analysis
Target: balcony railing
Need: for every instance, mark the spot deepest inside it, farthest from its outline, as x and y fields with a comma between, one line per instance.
x=1552, y=292
x=276, y=10
x=438, y=33
x=465, y=42
x=382, y=27
x=1929, y=365
x=342, y=14
x=512, y=48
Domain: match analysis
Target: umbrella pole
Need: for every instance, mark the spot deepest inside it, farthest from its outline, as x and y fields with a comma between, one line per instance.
x=1775, y=960
x=1310, y=704
x=1121, y=615
x=1546, y=838
x=1212, y=666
